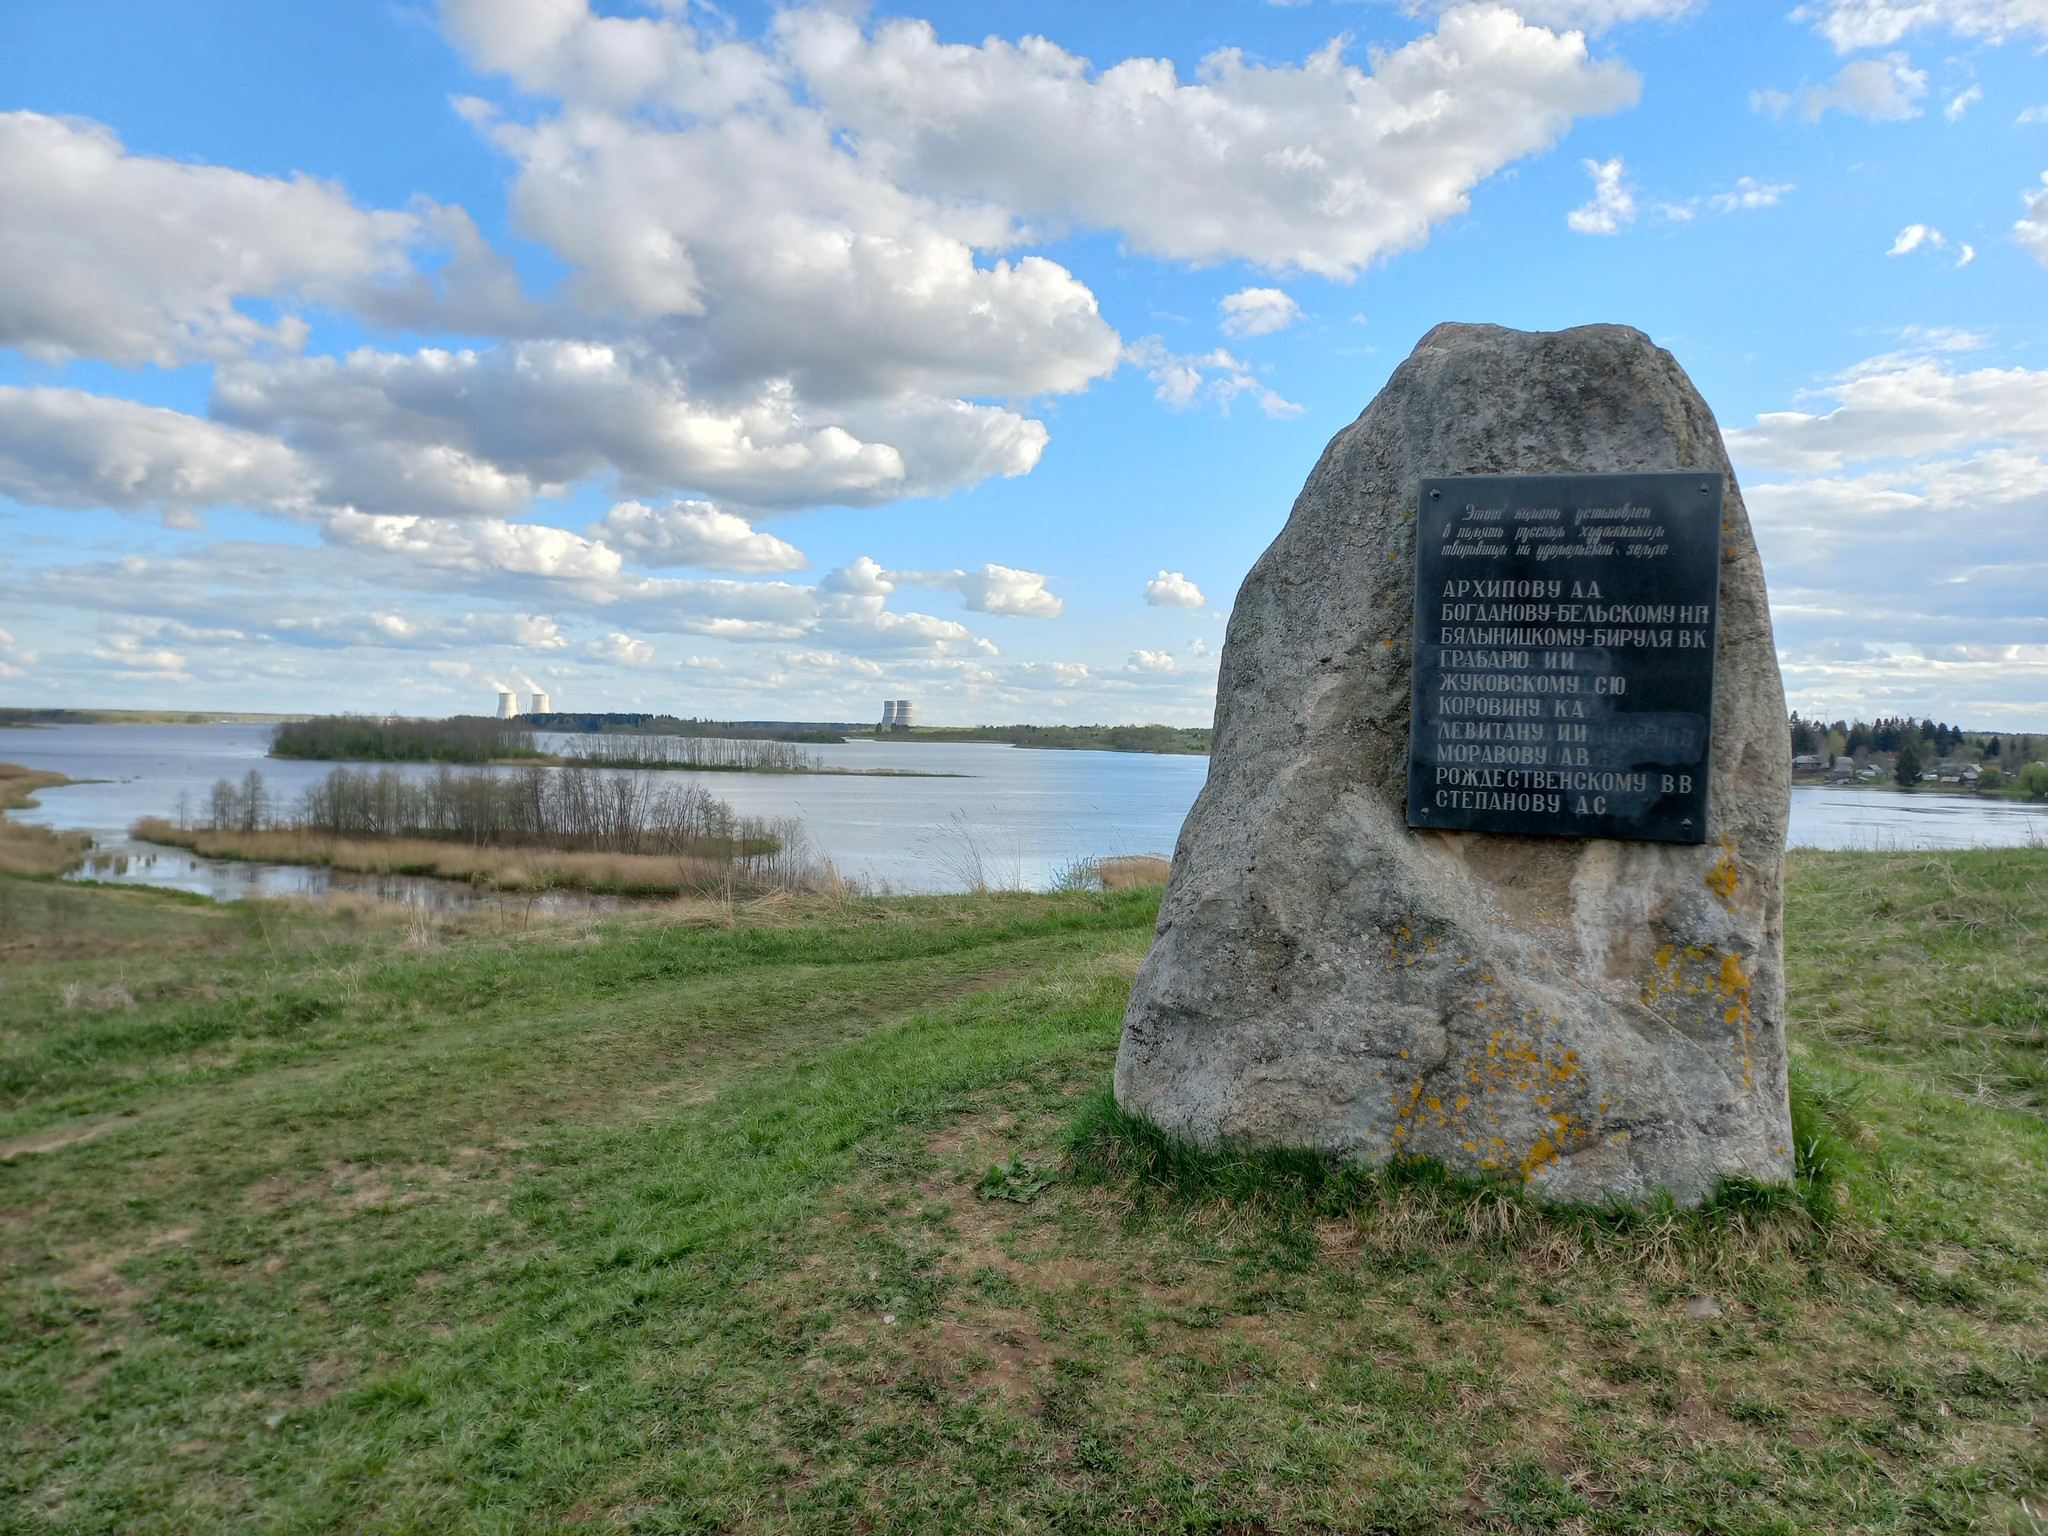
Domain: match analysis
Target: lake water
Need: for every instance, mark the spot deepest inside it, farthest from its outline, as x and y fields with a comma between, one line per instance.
x=1018, y=816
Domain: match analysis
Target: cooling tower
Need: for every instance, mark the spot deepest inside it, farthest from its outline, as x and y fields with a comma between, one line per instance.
x=540, y=704
x=508, y=704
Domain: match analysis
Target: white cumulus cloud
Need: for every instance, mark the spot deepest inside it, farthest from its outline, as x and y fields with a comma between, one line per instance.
x=796, y=264
x=1913, y=236
x=1749, y=192
x=67, y=448
x=1321, y=166
x=1903, y=405
x=1185, y=379
x=1612, y=207
x=998, y=589
x=695, y=533
x=137, y=259
x=1599, y=15
x=1908, y=546
x=621, y=648
x=1854, y=24
x=481, y=430
x=14, y=659
x=1170, y=589
x=1882, y=90
x=2031, y=230
x=484, y=544
x=1257, y=311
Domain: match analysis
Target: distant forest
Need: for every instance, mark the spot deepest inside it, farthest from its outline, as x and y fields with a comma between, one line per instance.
x=1099, y=738
x=621, y=723
x=1179, y=740
x=364, y=739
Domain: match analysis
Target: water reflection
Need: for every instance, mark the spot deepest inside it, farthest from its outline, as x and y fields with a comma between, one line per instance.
x=1885, y=820
x=123, y=861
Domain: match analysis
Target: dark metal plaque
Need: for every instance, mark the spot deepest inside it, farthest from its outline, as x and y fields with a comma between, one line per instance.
x=1564, y=654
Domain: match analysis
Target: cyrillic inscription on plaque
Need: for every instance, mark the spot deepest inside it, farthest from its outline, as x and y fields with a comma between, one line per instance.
x=1564, y=654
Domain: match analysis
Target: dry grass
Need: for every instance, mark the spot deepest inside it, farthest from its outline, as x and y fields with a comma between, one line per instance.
x=18, y=785
x=39, y=850
x=1126, y=871
x=34, y=850
x=767, y=1217
x=504, y=869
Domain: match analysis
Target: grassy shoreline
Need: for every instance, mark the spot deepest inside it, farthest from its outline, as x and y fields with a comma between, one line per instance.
x=502, y=869
x=810, y=1217
x=35, y=850
x=1950, y=791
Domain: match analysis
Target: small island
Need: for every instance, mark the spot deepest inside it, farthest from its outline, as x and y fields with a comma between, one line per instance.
x=478, y=741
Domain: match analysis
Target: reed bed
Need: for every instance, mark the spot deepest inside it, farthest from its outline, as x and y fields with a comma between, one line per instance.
x=30, y=850
x=503, y=869
x=40, y=850
x=1127, y=871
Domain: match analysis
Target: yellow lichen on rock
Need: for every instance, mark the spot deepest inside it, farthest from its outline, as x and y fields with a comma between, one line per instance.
x=1722, y=878
x=1701, y=972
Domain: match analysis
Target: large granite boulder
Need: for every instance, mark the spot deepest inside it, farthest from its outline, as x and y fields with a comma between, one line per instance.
x=1597, y=1018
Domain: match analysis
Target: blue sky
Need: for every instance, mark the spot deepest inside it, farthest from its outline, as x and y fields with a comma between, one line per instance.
x=773, y=361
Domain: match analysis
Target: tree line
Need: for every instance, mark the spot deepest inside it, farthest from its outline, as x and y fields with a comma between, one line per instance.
x=714, y=754
x=1930, y=738
x=365, y=738
x=1175, y=740
x=626, y=722
x=2001, y=759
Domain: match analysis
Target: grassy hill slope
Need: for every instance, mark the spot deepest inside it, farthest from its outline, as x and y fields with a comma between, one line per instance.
x=814, y=1218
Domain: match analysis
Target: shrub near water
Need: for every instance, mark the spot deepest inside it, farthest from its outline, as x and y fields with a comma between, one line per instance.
x=530, y=828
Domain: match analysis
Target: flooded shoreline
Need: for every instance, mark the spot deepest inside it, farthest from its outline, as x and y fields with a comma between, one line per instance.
x=124, y=860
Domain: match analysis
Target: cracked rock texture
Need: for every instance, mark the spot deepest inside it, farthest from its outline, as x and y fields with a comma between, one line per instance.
x=1598, y=1018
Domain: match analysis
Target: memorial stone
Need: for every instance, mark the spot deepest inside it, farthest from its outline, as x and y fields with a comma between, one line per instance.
x=1489, y=864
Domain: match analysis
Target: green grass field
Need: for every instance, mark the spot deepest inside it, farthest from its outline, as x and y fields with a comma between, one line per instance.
x=813, y=1217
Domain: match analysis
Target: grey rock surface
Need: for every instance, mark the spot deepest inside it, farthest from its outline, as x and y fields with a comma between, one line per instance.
x=1598, y=1018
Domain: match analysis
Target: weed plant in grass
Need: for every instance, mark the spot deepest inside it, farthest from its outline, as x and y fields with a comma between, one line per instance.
x=814, y=1217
